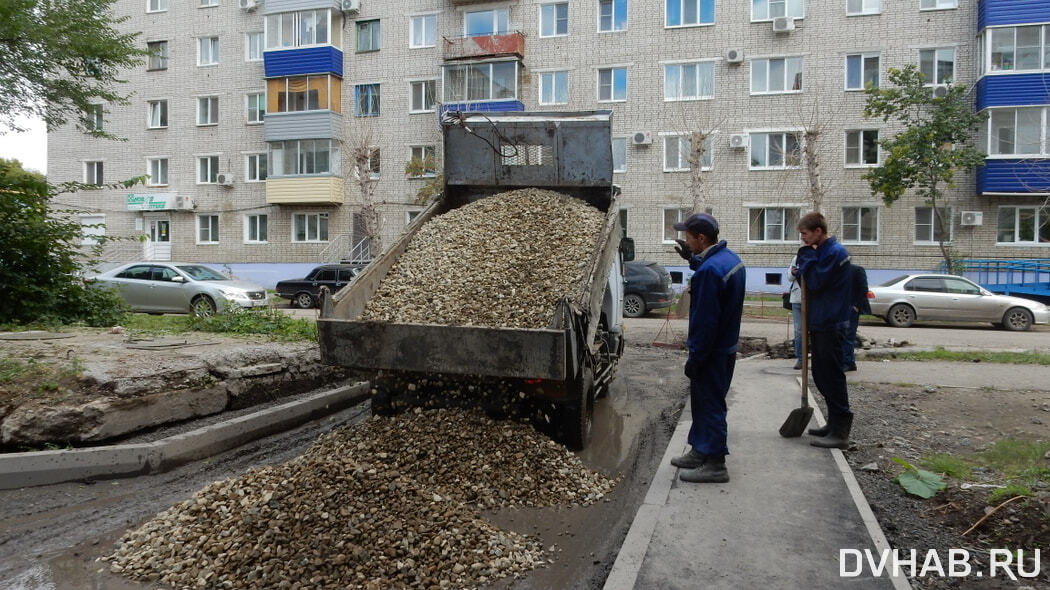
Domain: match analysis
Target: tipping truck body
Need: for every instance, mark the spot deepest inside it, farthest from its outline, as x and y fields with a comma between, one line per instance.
x=564, y=365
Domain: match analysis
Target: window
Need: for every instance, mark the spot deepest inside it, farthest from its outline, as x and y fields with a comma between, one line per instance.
x=207, y=51
x=687, y=13
x=423, y=31
x=157, y=6
x=92, y=227
x=689, y=81
x=411, y=215
x=862, y=148
x=623, y=222
x=207, y=110
x=937, y=4
x=937, y=65
x=158, y=55
x=619, y=151
x=304, y=156
x=862, y=69
x=208, y=3
x=926, y=227
x=93, y=119
x=158, y=171
x=310, y=227
x=158, y=114
x=304, y=93
x=207, y=229
x=770, y=9
x=366, y=100
x=486, y=22
x=1018, y=131
x=255, y=167
x=773, y=151
x=374, y=162
x=857, y=7
x=256, y=104
x=554, y=88
x=1024, y=225
x=554, y=19
x=776, y=75
x=93, y=173
x=1018, y=48
x=678, y=150
x=612, y=84
x=860, y=225
x=253, y=46
x=288, y=30
x=255, y=230
x=612, y=15
x=481, y=82
x=671, y=217
x=427, y=155
x=422, y=96
x=772, y=224
x=207, y=169
x=367, y=35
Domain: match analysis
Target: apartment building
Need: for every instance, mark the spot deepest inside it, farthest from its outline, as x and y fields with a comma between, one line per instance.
x=250, y=117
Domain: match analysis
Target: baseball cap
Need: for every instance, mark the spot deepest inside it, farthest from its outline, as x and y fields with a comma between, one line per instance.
x=699, y=223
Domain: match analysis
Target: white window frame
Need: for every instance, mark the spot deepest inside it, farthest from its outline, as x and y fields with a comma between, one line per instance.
x=543, y=86
x=683, y=155
x=867, y=7
x=622, y=140
x=1044, y=134
x=412, y=96
x=789, y=230
x=163, y=162
x=864, y=56
x=681, y=214
x=248, y=45
x=255, y=221
x=1044, y=42
x=765, y=63
x=423, y=149
x=164, y=56
x=938, y=4
x=212, y=221
x=412, y=26
x=95, y=117
x=495, y=10
x=374, y=36
x=207, y=3
x=699, y=15
x=89, y=235
x=162, y=105
x=626, y=16
x=860, y=149
x=932, y=225
x=211, y=173
x=792, y=8
x=554, y=9
x=375, y=162
x=306, y=217
x=333, y=25
x=212, y=111
x=612, y=83
x=275, y=164
x=257, y=156
x=161, y=6
x=91, y=172
x=1039, y=212
x=936, y=50
x=707, y=66
x=260, y=107
x=799, y=137
x=212, y=53
x=445, y=82
x=857, y=211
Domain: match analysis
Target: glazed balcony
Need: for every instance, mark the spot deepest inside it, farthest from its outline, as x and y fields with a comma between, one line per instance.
x=484, y=46
x=305, y=190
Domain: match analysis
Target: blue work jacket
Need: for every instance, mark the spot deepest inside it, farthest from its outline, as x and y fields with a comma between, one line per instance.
x=717, y=302
x=827, y=275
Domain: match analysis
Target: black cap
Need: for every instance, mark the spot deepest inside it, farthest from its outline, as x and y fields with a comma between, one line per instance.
x=699, y=223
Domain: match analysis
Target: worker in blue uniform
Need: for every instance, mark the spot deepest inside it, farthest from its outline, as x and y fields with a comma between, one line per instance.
x=717, y=302
x=825, y=268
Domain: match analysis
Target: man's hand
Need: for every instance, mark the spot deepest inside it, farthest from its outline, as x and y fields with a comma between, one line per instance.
x=692, y=368
x=683, y=249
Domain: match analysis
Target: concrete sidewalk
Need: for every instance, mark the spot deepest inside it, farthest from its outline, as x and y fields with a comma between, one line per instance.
x=778, y=524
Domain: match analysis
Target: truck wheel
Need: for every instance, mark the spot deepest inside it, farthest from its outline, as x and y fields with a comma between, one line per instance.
x=577, y=417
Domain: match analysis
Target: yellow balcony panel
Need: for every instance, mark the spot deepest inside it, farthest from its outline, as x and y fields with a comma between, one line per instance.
x=309, y=190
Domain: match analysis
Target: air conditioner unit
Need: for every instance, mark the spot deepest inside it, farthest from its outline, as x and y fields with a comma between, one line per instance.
x=351, y=5
x=940, y=91
x=972, y=218
x=783, y=24
x=642, y=138
x=734, y=55
x=183, y=203
x=738, y=141
x=248, y=4
x=224, y=179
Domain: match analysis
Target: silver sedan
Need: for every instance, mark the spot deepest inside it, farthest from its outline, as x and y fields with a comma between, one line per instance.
x=907, y=298
x=159, y=287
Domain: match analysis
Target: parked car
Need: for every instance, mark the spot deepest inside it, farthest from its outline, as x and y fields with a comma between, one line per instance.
x=168, y=287
x=306, y=292
x=907, y=298
x=647, y=286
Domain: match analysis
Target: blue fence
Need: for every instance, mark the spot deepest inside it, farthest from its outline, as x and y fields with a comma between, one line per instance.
x=1029, y=277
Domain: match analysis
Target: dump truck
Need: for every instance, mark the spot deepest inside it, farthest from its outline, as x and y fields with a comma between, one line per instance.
x=560, y=369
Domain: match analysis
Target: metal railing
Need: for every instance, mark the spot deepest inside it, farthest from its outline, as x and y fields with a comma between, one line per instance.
x=333, y=252
x=1029, y=276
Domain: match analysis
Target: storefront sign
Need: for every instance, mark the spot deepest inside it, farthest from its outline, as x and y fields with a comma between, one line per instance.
x=154, y=201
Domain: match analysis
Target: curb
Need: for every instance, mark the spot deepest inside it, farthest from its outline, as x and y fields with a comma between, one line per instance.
x=37, y=468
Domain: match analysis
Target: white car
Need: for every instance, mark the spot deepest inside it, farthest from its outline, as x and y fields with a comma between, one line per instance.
x=907, y=298
x=167, y=287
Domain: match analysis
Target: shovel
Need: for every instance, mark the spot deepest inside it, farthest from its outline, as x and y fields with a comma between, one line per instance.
x=799, y=418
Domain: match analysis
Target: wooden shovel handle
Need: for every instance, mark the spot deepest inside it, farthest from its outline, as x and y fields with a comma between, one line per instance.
x=805, y=341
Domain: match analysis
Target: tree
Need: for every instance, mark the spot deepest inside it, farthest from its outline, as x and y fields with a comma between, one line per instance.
x=935, y=143
x=58, y=58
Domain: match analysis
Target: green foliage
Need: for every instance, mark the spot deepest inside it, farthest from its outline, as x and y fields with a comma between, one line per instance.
x=1011, y=358
x=1011, y=490
x=426, y=168
x=58, y=58
x=948, y=465
x=272, y=322
x=1013, y=456
x=919, y=482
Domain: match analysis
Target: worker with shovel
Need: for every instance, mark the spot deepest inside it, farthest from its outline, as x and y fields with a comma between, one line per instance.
x=717, y=288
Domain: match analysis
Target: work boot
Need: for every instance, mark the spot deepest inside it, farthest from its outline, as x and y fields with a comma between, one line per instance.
x=822, y=431
x=838, y=433
x=712, y=471
x=690, y=460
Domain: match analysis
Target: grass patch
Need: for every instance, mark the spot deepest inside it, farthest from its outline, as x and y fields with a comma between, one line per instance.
x=32, y=378
x=1010, y=491
x=1016, y=458
x=271, y=323
x=1019, y=466
x=948, y=465
x=1008, y=358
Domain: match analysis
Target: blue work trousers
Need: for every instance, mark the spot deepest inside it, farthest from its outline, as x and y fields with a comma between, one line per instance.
x=826, y=352
x=849, y=340
x=707, y=400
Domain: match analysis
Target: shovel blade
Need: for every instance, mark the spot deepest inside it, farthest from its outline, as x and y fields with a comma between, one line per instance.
x=796, y=422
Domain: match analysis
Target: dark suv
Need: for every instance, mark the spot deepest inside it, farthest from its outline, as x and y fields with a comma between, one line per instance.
x=647, y=286
x=305, y=292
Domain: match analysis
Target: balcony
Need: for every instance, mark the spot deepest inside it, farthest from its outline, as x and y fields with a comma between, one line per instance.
x=467, y=2
x=508, y=44
x=322, y=124
x=306, y=190
x=1014, y=176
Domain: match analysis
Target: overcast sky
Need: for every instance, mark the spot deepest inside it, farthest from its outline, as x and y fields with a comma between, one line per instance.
x=30, y=147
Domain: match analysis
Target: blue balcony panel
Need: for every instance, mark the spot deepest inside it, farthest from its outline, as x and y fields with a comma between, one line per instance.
x=303, y=125
x=1013, y=90
x=1011, y=12
x=277, y=6
x=324, y=59
x=484, y=107
x=1014, y=176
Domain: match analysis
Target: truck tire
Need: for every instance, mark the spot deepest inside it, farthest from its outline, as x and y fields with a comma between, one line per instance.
x=577, y=417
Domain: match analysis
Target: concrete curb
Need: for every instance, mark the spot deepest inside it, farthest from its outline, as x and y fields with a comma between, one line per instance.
x=38, y=468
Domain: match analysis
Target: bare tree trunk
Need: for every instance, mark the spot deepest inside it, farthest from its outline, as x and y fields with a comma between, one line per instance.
x=696, y=180
x=946, y=252
x=362, y=156
x=816, y=188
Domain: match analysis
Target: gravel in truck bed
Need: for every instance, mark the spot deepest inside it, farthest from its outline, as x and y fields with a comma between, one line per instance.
x=502, y=261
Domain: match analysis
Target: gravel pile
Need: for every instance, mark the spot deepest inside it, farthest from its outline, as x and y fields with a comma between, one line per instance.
x=391, y=503
x=502, y=261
